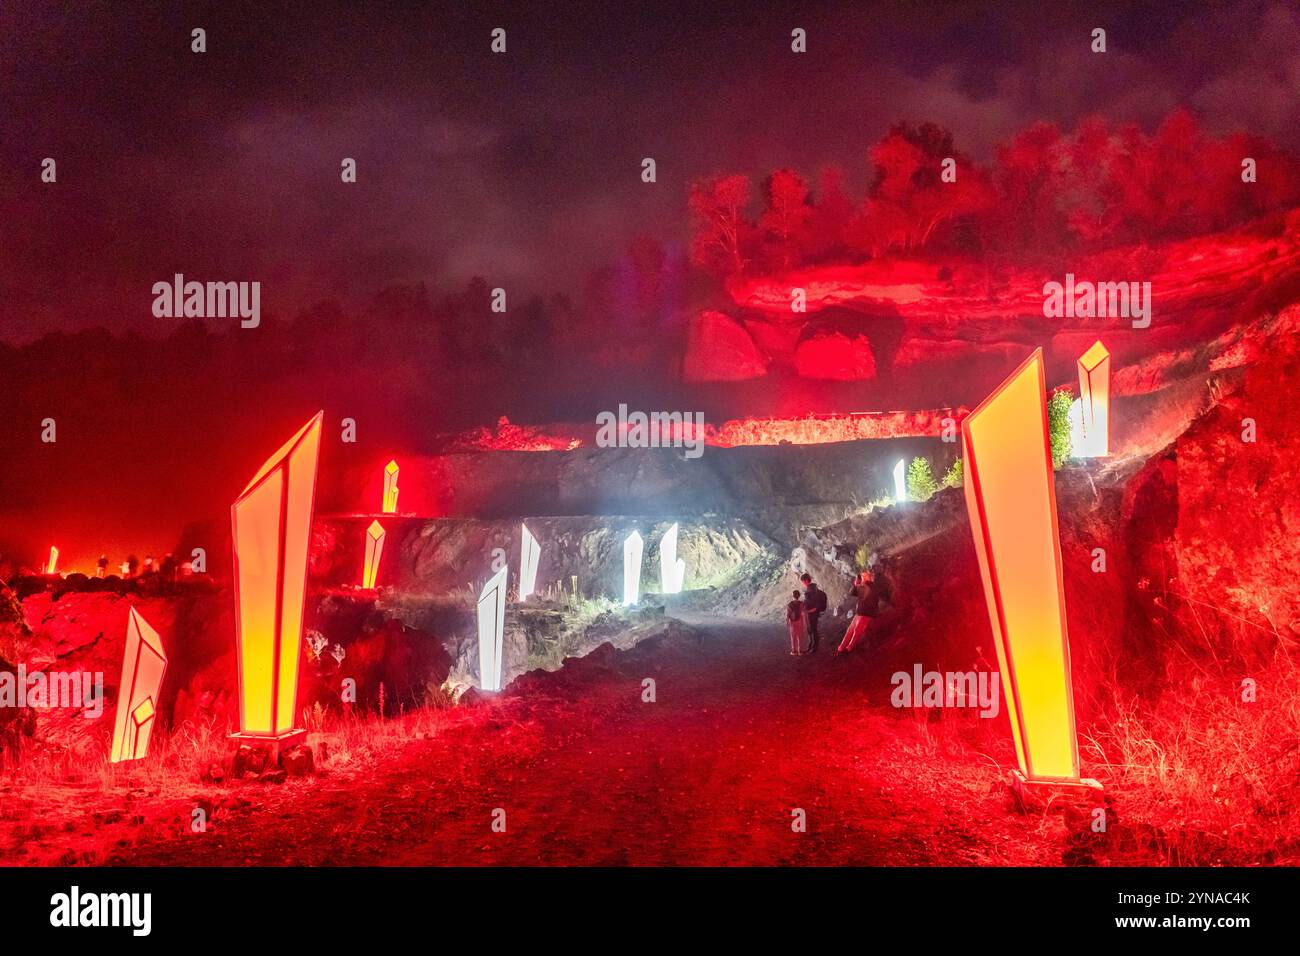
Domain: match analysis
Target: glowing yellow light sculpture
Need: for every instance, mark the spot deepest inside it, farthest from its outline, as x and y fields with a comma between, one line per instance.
x=491, y=630
x=530, y=554
x=390, y=488
x=143, y=666
x=633, y=548
x=1011, y=499
x=374, y=551
x=53, y=566
x=672, y=569
x=1094, y=397
x=272, y=529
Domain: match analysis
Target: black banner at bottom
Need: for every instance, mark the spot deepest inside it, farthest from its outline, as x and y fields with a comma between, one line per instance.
x=531, y=905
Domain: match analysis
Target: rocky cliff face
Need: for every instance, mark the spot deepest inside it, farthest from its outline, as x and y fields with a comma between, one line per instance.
x=1198, y=539
x=452, y=558
x=84, y=633
x=774, y=488
x=904, y=320
x=1238, y=519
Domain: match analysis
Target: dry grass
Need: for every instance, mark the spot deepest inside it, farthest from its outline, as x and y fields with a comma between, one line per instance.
x=1216, y=776
x=356, y=740
x=79, y=809
x=180, y=757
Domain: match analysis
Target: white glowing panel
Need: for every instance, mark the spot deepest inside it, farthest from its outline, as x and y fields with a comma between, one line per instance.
x=672, y=569
x=633, y=548
x=1078, y=436
x=491, y=626
x=1094, y=396
x=530, y=552
x=143, y=665
x=900, y=482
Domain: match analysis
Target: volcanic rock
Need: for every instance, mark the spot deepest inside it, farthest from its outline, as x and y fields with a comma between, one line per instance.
x=249, y=760
x=719, y=349
x=297, y=761
x=837, y=356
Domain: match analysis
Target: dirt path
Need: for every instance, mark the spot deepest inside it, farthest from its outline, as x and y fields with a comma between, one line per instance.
x=739, y=736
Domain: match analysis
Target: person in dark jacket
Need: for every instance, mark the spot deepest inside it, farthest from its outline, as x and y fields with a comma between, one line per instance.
x=814, y=600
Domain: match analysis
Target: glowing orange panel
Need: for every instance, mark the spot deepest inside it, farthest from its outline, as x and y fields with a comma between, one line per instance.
x=1011, y=498
x=374, y=551
x=390, y=488
x=143, y=666
x=53, y=566
x=1094, y=396
x=272, y=527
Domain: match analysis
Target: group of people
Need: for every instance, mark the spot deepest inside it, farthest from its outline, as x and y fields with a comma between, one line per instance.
x=130, y=568
x=872, y=595
x=803, y=617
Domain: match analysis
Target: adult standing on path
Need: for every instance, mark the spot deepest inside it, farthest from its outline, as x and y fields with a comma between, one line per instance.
x=814, y=600
x=868, y=603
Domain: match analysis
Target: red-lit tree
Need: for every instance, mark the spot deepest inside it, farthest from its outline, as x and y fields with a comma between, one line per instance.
x=910, y=200
x=1047, y=195
x=830, y=218
x=784, y=224
x=721, y=235
x=1027, y=218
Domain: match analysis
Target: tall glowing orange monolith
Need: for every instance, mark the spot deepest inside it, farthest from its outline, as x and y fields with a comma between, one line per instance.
x=143, y=666
x=390, y=488
x=53, y=566
x=1011, y=499
x=1094, y=397
x=374, y=551
x=272, y=529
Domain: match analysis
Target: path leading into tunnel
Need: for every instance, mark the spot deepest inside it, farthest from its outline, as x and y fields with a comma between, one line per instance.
x=740, y=735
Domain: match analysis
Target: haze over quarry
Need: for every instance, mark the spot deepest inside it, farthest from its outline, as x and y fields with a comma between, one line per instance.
x=522, y=168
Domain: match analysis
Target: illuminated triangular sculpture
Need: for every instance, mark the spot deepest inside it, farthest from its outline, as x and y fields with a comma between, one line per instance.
x=900, y=483
x=53, y=566
x=491, y=630
x=530, y=554
x=272, y=529
x=374, y=551
x=1094, y=398
x=1011, y=500
x=143, y=666
x=672, y=569
x=633, y=548
x=390, y=488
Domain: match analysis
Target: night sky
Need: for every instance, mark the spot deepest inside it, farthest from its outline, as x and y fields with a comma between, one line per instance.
x=522, y=167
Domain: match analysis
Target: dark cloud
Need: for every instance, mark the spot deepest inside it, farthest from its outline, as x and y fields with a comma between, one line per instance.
x=523, y=168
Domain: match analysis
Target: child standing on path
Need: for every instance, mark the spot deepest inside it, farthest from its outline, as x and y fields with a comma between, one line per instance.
x=796, y=622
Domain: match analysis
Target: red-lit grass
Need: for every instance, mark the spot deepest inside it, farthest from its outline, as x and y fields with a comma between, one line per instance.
x=1214, y=776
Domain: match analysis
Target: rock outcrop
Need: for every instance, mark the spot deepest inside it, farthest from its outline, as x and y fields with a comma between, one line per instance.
x=837, y=356
x=719, y=349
